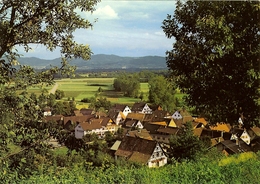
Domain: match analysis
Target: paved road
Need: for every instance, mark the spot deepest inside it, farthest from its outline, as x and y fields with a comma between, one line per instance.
x=55, y=87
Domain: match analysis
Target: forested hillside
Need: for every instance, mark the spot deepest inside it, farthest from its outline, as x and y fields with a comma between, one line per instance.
x=101, y=61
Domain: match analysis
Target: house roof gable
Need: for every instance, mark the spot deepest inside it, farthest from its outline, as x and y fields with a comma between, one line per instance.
x=135, y=116
x=131, y=144
x=91, y=125
x=168, y=130
x=143, y=133
x=77, y=119
x=138, y=106
x=221, y=127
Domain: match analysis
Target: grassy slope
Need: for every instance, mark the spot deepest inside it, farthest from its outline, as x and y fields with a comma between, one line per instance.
x=242, y=168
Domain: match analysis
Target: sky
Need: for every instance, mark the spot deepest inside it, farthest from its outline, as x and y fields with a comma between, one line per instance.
x=124, y=28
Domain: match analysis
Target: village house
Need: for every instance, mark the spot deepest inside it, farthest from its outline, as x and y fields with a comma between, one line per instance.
x=199, y=123
x=163, y=134
x=56, y=118
x=175, y=123
x=225, y=127
x=117, y=116
x=70, y=122
x=120, y=108
x=135, y=116
x=143, y=151
x=133, y=124
x=141, y=107
x=84, y=112
x=109, y=124
x=183, y=115
x=159, y=115
x=98, y=126
x=47, y=111
x=250, y=134
x=229, y=147
x=236, y=133
x=142, y=133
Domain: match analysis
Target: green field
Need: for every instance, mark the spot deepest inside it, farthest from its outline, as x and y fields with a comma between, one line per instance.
x=88, y=87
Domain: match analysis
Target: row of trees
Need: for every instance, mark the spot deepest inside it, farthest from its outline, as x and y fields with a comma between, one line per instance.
x=161, y=91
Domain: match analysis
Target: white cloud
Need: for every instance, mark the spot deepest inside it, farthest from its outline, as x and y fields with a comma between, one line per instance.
x=159, y=33
x=105, y=12
x=124, y=28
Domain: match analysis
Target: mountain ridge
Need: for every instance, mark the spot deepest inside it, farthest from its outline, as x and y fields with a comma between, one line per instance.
x=100, y=61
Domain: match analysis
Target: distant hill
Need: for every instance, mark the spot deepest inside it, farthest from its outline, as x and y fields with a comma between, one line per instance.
x=102, y=61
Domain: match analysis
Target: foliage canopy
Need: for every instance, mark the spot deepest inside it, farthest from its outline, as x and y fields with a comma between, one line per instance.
x=128, y=84
x=161, y=92
x=50, y=23
x=215, y=58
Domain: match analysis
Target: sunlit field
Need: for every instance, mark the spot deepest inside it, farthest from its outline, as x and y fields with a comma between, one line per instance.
x=79, y=89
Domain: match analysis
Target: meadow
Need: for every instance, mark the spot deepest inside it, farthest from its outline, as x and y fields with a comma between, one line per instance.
x=88, y=87
x=81, y=88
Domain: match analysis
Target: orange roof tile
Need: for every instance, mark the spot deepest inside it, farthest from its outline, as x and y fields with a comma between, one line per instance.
x=201, y=120
x=136, y=116
x=221, y=127
x=162, y=123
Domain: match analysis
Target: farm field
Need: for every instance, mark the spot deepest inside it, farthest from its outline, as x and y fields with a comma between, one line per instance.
x=88, y=87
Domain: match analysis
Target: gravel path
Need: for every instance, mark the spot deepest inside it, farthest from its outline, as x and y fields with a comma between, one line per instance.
x=55, y=87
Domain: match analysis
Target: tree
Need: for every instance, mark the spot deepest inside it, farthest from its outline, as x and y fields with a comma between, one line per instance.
x=59, y=94
x=141, y=96
x=128, y=84
x=100, y=103
x=100, y=90
x=22, y=23
x=185, y=145
x=51, y=100
x=215, y=58
x=161, y=92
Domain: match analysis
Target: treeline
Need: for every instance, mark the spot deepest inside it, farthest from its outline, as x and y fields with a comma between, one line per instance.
x=143, y=74
x=161, y=90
